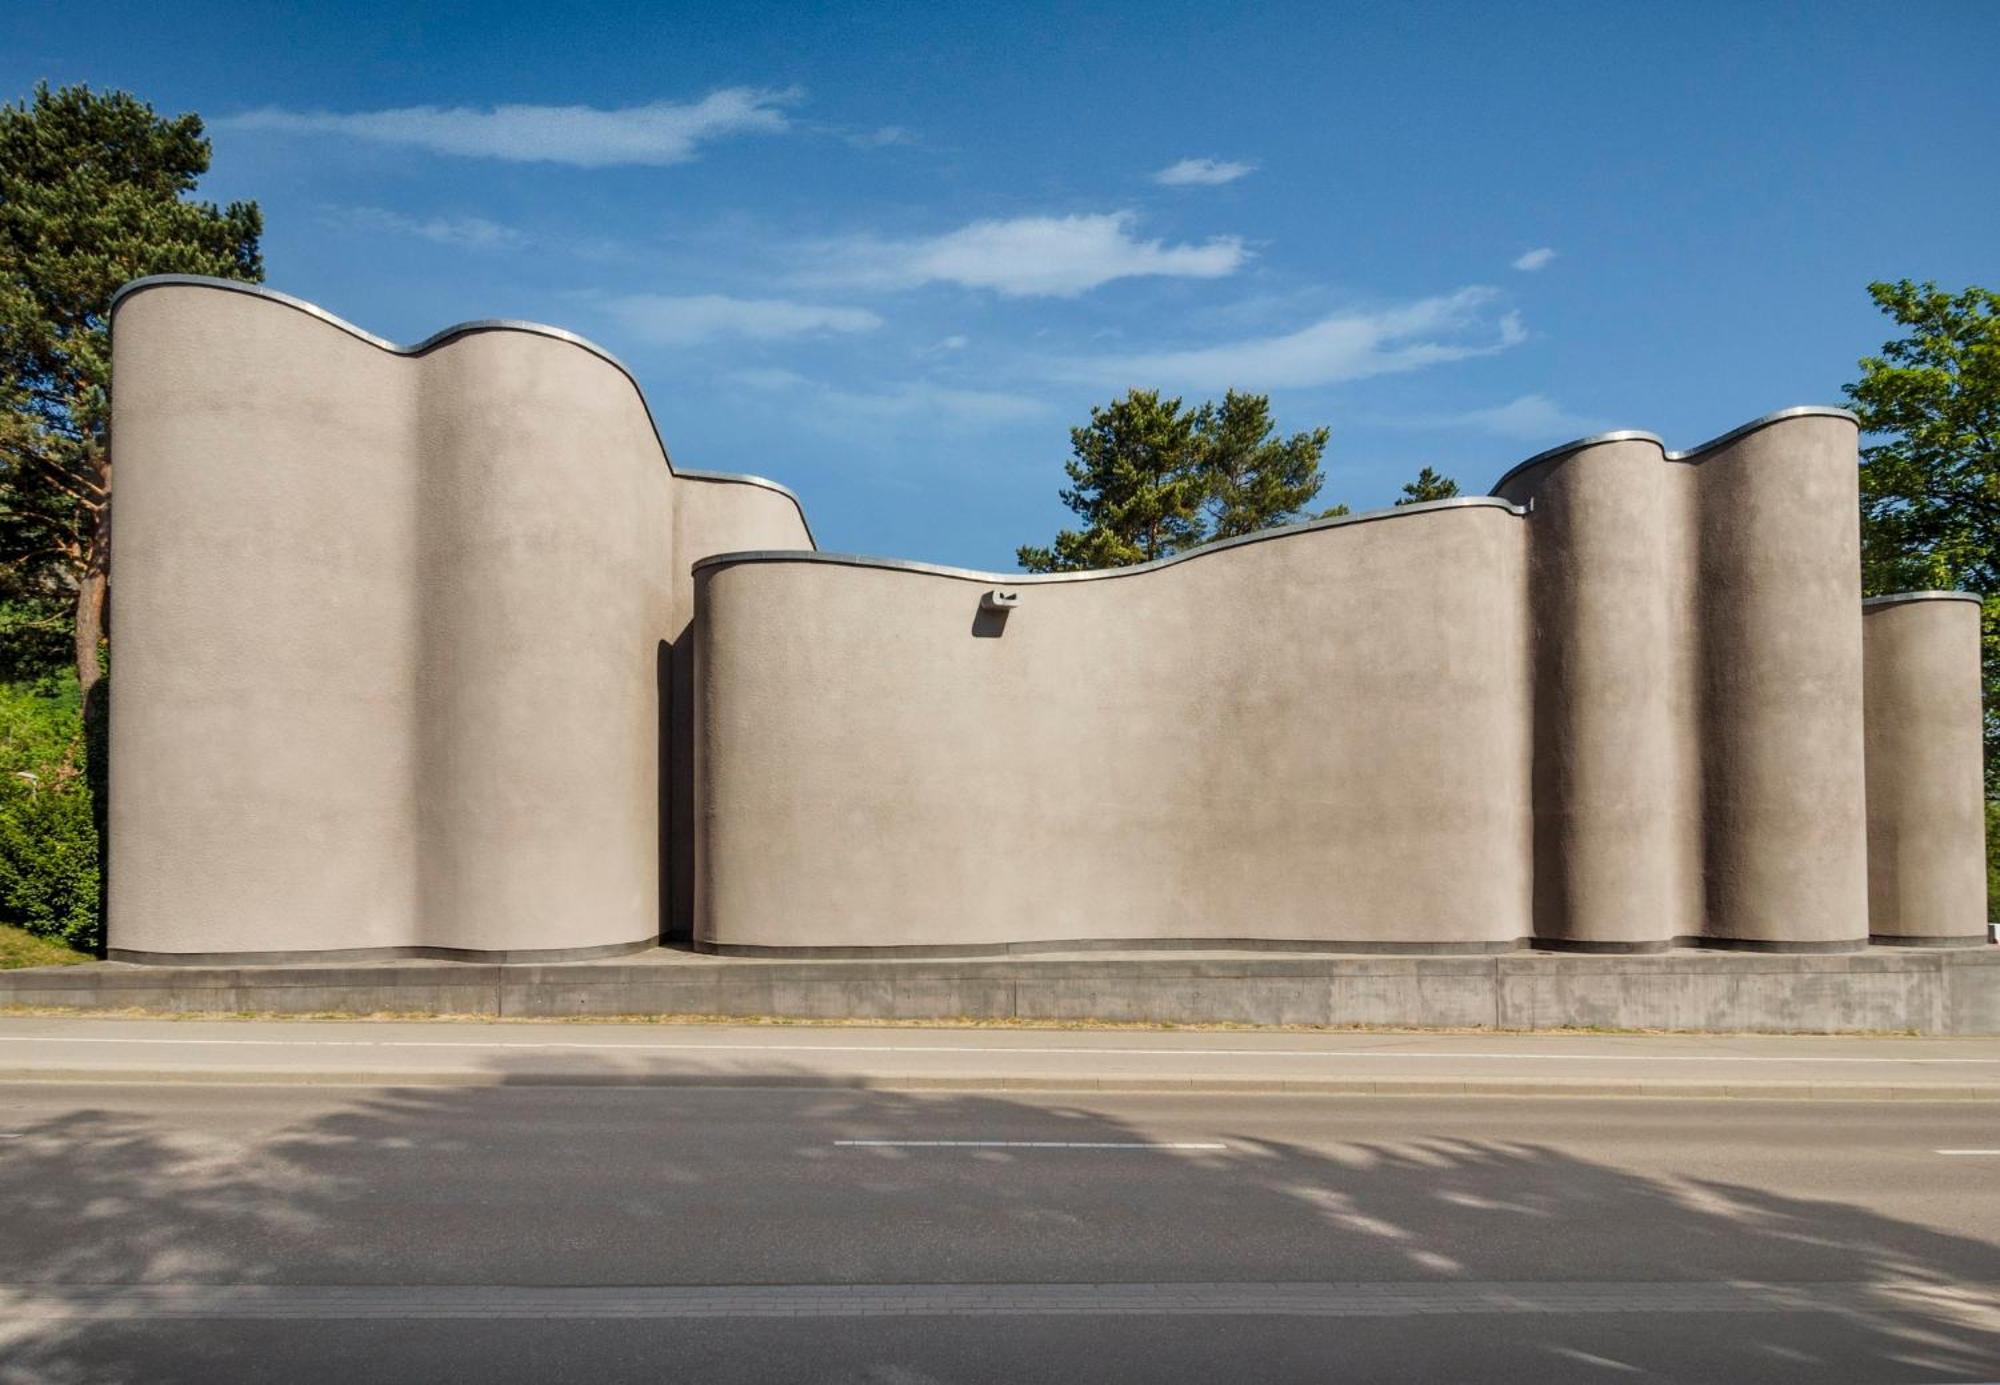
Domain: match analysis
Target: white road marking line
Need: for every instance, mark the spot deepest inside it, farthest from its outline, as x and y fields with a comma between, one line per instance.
x=1391, y=1054
x=1967, y=1151
x=1027, y=1144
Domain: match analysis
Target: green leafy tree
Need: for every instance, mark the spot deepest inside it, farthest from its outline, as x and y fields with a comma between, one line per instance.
x=1930, y=474
x=1256, y=479
x=1151, y=477
x=1429, y=485
x=93, y=193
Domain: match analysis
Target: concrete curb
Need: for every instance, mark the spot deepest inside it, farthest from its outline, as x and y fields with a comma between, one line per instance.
x=1223, y=1086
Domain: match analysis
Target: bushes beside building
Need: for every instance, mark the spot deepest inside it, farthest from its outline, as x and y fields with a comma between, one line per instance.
x=49, y=877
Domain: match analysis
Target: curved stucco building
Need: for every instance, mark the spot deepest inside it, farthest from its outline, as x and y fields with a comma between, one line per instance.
x=430, y=650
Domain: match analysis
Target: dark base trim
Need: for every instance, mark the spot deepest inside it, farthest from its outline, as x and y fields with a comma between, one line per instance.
x=1928, y=940
x=378, y=954
x=1639, y=948
x=519, y=956
x=946, y=950
x=1489, y=949
x=1768, y=945
x=1598, y=946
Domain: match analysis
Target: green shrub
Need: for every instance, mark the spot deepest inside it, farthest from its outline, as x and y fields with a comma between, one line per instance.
x=1992, y=856
x=49, y=876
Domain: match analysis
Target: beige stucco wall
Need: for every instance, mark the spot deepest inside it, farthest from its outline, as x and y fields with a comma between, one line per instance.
x=417, y=650
x=1699, y=706
x=398, y=674
x=1282, y=741
x=1926, y=798
x=1319, y=737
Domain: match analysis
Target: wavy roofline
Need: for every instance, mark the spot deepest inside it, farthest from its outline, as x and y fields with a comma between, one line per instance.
x=1024, y=579
x=452, y=333
x=1899, y=598
x=1638, y=435
x=446, y=335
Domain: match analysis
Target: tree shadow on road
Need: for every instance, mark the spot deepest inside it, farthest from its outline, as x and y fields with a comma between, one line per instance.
x=602, y=1182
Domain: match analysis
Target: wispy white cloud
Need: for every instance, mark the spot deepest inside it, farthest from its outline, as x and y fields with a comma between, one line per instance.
x=1529, y=418
x=1202, y=173
x=882, y=137
x=1343, y=346
x=773, y=379
x=1029, y=256
x=663, y=132
x=909, y=401
x=668, y=320
x=465, y=232
x=1534, y=259
x=957, y=341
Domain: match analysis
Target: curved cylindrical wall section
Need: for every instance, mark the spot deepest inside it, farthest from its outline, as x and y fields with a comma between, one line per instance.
x=1604, y=555
x=1778, y=582
x=710, y=516
x=263, y=727
x=547, y=514
x=394, y=659
x=1926, y=798
x=1319, y=738
x=727, y=516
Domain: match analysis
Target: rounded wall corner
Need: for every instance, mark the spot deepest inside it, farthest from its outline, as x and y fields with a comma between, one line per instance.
x=444, y=337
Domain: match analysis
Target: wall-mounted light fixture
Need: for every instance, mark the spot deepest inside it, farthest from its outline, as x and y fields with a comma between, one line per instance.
x=997, y=600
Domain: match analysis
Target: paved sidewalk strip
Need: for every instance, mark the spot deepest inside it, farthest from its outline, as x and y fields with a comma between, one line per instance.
x=478, y=1054
x=44, y=1302
x=971, y=1082
x=979, y=1046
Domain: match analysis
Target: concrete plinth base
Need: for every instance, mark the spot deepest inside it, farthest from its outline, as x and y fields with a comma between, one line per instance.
x=1881, y=989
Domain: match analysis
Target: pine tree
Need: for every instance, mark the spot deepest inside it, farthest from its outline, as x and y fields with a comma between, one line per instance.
x=1136, y=484
x=1256, y=480
x=93, y=193
x=1151, y=478
x=1429, y=485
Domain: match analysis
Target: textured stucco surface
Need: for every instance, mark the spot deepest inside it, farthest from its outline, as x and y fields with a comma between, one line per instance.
x=395, y=635
x=1698, y=699
x=1315, y=738
x=1626, y=713
x=1926, y=797
x=432, y=650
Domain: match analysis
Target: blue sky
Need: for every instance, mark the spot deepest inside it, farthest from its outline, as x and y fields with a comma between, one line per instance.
x=888, y=254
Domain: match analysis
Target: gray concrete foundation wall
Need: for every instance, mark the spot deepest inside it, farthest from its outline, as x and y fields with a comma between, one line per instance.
x=1880, y=990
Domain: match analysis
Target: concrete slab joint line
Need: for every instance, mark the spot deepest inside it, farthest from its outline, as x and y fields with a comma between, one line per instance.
x=1629, y=707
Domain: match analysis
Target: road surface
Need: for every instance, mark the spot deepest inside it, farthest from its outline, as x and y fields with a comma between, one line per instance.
x=837, y=1230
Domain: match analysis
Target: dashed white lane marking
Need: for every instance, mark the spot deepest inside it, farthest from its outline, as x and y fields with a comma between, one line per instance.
x=1028, y=1144
x=1394, y=1055
x=1975, y=1302
x=1969, y=1151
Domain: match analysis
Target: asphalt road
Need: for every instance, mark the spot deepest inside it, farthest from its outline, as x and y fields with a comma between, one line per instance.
x=209, y=1232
